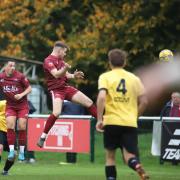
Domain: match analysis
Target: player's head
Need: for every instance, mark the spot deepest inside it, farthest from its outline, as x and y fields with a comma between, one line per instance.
x=60, y=48
x=117, y=58
x=10, y=67
x=166, y=55
x=175, y=97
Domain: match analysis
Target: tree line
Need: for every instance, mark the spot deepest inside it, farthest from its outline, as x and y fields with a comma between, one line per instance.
x=29, y=28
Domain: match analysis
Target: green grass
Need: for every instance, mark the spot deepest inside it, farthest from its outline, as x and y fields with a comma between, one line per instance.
x=48, y=166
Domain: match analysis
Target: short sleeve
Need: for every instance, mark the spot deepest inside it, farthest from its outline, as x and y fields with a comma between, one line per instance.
x=102, y=82
x=25, y=81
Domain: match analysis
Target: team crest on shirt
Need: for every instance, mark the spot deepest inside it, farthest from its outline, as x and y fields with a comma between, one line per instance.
x=10, y=88
x=26, y=79
x=50, y=64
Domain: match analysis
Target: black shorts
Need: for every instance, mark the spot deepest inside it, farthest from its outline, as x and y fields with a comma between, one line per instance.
x=121, y=137
x=3, y=140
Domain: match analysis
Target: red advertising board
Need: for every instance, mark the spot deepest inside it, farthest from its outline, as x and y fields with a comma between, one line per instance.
x=67, y=135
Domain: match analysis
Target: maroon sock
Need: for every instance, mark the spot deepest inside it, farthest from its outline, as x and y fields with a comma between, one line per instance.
x=11, y=136
x=22, y=137
x=49, y=123
x=93, y=110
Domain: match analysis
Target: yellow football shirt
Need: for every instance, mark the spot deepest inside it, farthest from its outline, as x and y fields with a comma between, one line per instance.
x=123, y=89
x=3, y=126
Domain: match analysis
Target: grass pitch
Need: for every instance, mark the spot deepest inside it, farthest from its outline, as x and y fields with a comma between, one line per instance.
x=48, y=166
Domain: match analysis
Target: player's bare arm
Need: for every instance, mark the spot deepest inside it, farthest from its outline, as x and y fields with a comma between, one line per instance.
x=61, y=72
x=100, y=109
x=142, y=104
x=24, y=93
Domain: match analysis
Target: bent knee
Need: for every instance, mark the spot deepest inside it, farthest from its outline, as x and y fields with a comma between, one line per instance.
x=22, y=127
x=56, y=113
x=10, y=125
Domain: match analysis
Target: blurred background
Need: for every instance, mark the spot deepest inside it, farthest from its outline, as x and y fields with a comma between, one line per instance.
x=29, y=28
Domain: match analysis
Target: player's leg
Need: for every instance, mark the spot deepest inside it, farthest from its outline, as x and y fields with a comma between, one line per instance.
x=7, y=166
x=1, y=143
x=110, y=140
x=22, y=124
x=8, y=163
x=110, y=167
x=57, y=106
x=133, y=162
x=1, y=150
x=31, y=156
x=130, y=149
x=11, y=135
x=85, y=101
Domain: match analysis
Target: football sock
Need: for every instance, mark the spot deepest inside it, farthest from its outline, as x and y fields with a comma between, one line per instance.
x=21, y=149
x=11, y=147
x=133, y=162
x=93, y=110
x=22, y=137
x=49, y=123
x=43, y=135
x=110, y=172
x=8, y=165
x=11, y=136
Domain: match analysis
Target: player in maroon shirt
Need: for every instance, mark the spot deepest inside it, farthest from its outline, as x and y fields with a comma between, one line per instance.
x=56, y=74
x=15, y=87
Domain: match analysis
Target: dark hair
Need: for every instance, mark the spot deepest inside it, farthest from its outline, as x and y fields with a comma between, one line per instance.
x=61, y=44
x=117, y=57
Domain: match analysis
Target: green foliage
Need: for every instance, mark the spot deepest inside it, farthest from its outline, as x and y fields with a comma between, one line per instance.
x=29, y=28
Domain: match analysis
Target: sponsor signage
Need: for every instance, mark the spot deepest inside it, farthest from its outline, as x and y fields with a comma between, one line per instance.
x=67, y=135
x=170, y=141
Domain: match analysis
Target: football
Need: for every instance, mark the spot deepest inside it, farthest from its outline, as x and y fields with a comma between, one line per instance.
x=166, y=55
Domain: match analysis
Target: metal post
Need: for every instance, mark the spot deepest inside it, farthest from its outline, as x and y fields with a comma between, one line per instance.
x=92, y=139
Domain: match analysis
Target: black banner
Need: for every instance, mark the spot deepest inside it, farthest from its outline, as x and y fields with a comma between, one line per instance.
x=170, y=141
